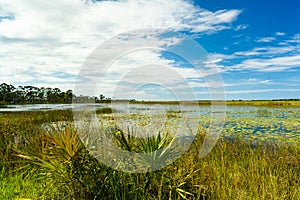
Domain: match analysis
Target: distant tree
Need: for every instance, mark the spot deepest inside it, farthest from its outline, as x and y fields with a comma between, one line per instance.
x=48, y=94
x=32, y=94
x=7, y=93
x=41, y=96
x=56, y=92
x=20, y=95
x=101, y=97
x=68, y=96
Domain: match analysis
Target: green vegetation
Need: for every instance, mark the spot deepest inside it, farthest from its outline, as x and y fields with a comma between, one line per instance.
x=266, y=103
x=10, y=94
x=40, y=164
x=264, y=126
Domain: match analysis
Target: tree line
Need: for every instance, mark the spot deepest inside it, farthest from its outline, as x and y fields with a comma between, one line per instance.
x=10, y=94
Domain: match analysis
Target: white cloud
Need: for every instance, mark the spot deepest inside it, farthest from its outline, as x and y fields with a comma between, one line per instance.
x=252, y=79
x=44, y=38
x=266, y=39
x=272, y=58
x=295, y=39
x=271, y=38
x=217, y=60
x=280, y=34
x=241, y=27
x=261, y=91
x=269, y=51
x=268, y=65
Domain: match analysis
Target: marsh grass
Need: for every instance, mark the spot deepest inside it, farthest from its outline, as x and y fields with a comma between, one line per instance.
x=15, y=185
x=19, y=128
x=266, y=103
x=239, y=171
x=264, y=112
x=105, y=110
x=55, y=165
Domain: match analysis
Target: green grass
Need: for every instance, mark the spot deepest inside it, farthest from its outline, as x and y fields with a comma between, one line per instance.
x=55, y=165
x=15, y=185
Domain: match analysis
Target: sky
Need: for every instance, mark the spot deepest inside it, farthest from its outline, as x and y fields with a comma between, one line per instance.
x=153, y=49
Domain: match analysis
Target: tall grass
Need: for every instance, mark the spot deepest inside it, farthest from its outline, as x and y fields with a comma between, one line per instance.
x=19, y=128
x=239, y=171
x=55, y=165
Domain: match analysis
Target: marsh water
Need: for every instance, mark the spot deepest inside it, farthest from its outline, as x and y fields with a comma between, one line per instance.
x=230, y=110
x=255, y=123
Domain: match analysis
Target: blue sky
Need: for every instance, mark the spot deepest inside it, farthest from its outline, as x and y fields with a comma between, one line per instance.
x=260, y=53
x=254, y=45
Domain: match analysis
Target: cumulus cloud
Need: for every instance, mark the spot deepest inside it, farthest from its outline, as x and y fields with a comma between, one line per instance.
x=40, y=39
